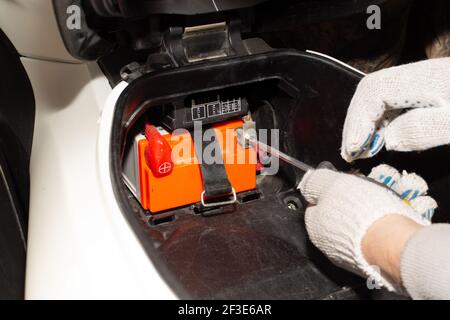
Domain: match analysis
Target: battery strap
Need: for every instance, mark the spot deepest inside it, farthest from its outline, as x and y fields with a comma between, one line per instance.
x=214, y=175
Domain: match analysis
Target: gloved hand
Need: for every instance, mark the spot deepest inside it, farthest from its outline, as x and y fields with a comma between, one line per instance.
x=377, y=117
x=345, y=206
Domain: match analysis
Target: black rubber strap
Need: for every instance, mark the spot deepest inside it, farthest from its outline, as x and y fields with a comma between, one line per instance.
x=214, y=176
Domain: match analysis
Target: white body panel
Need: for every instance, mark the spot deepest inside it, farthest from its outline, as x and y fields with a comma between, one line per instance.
x=79, y=244
x=31, y=26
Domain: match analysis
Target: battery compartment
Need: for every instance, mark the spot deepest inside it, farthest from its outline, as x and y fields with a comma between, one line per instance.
x=258, y=249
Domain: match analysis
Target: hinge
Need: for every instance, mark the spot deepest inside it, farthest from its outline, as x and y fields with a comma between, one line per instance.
x=204, y=42
x=182, y=46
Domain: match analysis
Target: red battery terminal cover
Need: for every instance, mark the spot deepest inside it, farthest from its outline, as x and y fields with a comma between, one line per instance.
x=158, y=153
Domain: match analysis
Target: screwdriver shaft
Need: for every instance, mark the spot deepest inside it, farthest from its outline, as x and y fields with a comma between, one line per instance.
x=278, y=154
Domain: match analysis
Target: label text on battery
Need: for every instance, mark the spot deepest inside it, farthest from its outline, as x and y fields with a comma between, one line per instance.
x=215, y=109
x=198, y=112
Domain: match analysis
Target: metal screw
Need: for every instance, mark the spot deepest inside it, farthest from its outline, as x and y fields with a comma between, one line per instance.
x=292, y=206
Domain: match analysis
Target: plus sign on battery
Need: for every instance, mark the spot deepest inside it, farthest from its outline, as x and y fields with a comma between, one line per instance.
x=164, y=168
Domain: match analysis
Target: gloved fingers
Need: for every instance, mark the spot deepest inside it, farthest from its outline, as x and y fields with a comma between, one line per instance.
x=315, y=183
x=419, y=129
x=368, y=115
x=378, y=141
x=375, y=145
x=425, y=206
x=410, y=186
x=360, y=125
x=385, y=174
x=410, y=102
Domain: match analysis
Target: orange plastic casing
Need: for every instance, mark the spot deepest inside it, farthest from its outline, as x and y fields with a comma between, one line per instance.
x=184, y=185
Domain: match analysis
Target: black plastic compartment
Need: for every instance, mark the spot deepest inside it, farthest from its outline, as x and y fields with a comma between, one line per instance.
x=260, y=249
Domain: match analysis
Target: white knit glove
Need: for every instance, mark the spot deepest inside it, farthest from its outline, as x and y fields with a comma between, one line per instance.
x=344, y=207
x=377, y=117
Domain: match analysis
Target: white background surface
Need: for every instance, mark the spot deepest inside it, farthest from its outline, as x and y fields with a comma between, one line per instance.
x=79, y=244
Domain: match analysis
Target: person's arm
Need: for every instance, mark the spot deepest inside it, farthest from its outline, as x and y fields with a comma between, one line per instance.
x=384, y=242
x=425, y=263
x=413, y=256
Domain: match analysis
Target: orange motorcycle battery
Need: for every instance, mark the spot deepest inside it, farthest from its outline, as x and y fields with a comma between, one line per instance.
x=184, y=185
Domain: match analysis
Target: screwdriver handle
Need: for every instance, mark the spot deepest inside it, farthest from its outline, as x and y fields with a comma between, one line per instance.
x=326, y=165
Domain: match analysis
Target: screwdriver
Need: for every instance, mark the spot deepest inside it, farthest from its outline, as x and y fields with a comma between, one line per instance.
x=299, y=164
x=258, y=145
